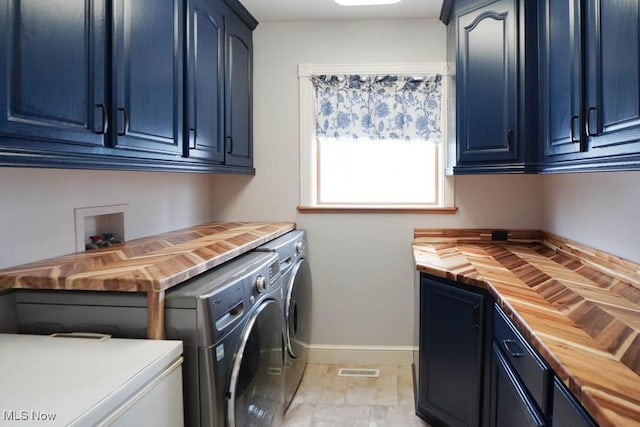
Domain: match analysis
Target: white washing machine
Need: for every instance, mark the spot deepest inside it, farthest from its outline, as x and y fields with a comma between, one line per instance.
x=297, y=288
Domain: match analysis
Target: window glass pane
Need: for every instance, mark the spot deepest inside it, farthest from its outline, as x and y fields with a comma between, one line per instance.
x=382, y=172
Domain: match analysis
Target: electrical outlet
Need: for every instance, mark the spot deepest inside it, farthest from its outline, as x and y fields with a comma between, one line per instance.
x=499, y=235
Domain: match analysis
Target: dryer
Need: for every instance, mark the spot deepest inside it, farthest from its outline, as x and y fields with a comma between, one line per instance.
x=229, y=319
x=297, y=296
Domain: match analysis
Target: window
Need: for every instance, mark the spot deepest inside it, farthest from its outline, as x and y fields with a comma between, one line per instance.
x=372, y=137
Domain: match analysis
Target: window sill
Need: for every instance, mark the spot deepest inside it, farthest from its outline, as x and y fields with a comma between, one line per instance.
x=381, y=209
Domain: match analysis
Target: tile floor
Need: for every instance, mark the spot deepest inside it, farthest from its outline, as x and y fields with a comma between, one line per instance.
x=326, y=399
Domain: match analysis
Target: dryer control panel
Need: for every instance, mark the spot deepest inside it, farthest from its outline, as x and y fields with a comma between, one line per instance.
x=264, y=282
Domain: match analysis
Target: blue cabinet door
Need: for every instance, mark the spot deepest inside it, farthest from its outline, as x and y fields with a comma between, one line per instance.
x=238, y=93
x=450, y=354
x=510, y=403
x=487, y=107
x=205, y=82
x=561, y=118
x=612, y=110
x=52, y=74
x=567, y=411
x=147, y=76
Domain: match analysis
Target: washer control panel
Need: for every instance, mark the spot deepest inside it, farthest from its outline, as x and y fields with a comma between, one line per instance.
x=267, y=280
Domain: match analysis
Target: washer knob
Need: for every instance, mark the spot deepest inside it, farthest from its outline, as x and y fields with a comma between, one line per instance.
x=298, y=247
x=261, y=284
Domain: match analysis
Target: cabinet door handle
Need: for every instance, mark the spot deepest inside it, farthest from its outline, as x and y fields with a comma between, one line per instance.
x=571, y=127
x=105, y=119
x=192, y=138
x=587, y=125
x=229, y=144
x=513, y=348
x=476, y=316
x=125, y=115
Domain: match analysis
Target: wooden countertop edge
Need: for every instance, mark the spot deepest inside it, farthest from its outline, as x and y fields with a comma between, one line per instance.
x=607, y=263
x=83, y=281
x=208, y=265
x=155, y=288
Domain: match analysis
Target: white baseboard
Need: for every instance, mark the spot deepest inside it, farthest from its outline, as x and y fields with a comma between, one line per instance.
x=360, y=355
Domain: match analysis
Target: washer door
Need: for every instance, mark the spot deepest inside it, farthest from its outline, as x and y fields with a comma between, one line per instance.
x=298, y=309
x=256, y=388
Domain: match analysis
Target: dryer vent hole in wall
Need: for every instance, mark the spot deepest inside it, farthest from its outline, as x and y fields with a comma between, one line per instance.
x=369, y=373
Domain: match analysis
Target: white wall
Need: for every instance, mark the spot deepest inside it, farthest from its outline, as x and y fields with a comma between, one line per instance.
x=601, y=210
x=361, y=264
x=37, y=206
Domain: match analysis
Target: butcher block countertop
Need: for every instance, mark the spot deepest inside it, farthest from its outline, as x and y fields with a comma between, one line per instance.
x=152, y=264
x=579, y=307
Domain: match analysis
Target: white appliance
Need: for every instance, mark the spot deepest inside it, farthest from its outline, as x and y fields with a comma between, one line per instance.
x=90, y=380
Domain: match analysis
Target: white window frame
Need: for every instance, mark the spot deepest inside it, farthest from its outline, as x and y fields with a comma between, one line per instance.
x=308, y=140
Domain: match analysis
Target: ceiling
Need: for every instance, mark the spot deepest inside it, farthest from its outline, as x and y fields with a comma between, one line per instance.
x=304, y=10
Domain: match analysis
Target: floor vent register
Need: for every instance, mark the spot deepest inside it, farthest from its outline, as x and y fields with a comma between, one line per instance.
x=350, y=372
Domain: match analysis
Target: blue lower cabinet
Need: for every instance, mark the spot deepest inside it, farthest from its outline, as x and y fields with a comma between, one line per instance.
x=474, y=367
x=450, y=361
x=510, y=403
x=567, y=411
x=531, y=369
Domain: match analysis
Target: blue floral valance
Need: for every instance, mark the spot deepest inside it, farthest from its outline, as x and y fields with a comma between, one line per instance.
x=378, y=107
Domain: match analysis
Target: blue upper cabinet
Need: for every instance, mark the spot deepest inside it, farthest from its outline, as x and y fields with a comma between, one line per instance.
x=205, y=82
x=560, y=63
x=219, y=86
x=117, y=84
x=590, y=84
x=550, y=80
x=495, y=63
x=147, y=70
x=612, y=109
x=487, y=84
x=238, y=94
x=52, y=75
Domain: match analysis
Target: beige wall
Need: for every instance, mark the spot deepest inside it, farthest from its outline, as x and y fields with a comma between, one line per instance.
x=37, y=206
x=361, y=264
x=597, y=209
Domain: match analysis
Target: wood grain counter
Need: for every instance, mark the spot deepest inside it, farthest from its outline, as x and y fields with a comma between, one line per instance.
x=579, y=307
x=152, y=264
